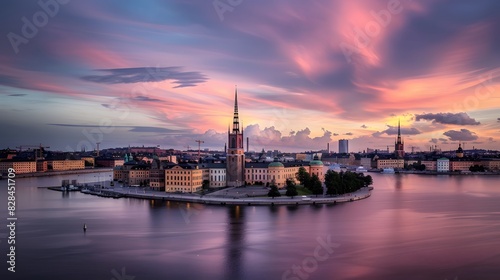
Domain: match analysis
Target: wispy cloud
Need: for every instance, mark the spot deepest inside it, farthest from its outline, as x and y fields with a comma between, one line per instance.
x=461, y=135
x=141, y=129
x=448, y=118
x=148, y=74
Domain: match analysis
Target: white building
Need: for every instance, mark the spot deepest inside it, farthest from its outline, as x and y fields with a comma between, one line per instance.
x=443, y=165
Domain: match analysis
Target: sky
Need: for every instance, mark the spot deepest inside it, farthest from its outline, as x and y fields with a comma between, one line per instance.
x=308, y=73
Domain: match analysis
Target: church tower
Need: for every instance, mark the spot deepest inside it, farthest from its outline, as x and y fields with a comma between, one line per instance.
x=399, y=145
x=235, y=165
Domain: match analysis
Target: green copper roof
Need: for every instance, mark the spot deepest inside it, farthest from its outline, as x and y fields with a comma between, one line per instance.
x=316, y=162
x=276, y=164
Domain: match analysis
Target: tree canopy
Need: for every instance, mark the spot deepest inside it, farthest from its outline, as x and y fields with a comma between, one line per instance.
x=291, y=188
x=273, y=192
x=345, y=182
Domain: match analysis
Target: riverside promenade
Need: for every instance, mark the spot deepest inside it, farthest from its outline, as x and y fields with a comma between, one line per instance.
x=222, y=199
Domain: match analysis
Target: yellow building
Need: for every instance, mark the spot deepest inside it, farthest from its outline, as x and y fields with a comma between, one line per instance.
x=89, y=160
x=430, y=165
x=138, y=176
x=260, y=172
x=390, y=163
x=184, y=178
x=492, y=165
x=19, y=166
x=456, y=165
x=67, y=164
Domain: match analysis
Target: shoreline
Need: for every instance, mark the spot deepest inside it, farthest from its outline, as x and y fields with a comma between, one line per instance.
x=65, y=172
x=363, y=193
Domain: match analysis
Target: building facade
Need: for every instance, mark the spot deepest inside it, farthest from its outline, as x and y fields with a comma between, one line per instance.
x=67, y=164
x=443, y=165
x=390, y=163
x=18, y=166
x=184, y=178
x=343, y=146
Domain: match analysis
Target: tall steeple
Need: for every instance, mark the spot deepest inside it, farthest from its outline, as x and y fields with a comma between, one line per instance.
x=235, y=156
x=399, y=145
x=236, y=121
x=399, y=132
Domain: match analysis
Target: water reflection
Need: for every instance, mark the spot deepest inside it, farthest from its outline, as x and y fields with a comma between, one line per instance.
x=235, y=242
x=397, y=181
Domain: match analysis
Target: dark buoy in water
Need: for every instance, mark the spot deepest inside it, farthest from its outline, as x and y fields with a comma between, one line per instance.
x=84, y=227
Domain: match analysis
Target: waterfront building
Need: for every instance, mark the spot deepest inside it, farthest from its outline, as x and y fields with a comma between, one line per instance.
x=109, y=162
x=41, y=166
x=461, y=165
x=20, y=166
x=157, y=175
x=235, y=163
x=430, y=165
x=491, y=164
x=89, y=160
x=185, y=178
x=443, y=165
x=66, y=164
x=398, y=163
x=216, y=174
x=139, y=175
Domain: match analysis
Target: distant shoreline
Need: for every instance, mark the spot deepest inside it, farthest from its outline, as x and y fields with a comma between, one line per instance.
x=448, y=173
x=203, y=199
x=65, y=172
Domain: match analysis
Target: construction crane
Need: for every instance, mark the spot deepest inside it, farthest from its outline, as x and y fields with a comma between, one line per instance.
x=199, y=147
x=40, y=147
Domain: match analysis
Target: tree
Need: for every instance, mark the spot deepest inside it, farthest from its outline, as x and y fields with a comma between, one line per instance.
x=205, y=184
x=273, y=192
x=368, y=180
x=316, y=186
x=291, y=189
x=303, y=176
x=332, y=182
x=476, y=168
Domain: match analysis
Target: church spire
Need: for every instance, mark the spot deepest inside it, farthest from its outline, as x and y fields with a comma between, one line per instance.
x=236, y=121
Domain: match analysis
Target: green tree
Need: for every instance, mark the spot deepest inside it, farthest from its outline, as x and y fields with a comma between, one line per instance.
x=303, y=176
x=316, y=186
x=476, y=168
x=274, y=192
x=206, y=184
x=291, y=188
x=332, y=182
x=368, y=180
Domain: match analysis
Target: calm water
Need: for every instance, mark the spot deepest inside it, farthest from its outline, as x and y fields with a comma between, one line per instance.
x=413, y=227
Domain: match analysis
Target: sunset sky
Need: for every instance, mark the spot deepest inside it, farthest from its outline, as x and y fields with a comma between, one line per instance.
x=308, y=73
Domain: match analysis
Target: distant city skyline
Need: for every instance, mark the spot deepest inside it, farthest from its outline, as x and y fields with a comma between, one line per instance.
x=164, y=72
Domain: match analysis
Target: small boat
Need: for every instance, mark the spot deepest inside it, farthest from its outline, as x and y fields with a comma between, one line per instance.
x=361, y=169
x=388, y=170
x=84, y=227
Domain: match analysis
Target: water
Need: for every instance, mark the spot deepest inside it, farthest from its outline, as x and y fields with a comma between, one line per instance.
x=412, y=227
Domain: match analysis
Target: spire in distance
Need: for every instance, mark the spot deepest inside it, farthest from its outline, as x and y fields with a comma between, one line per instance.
x=236, y=121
